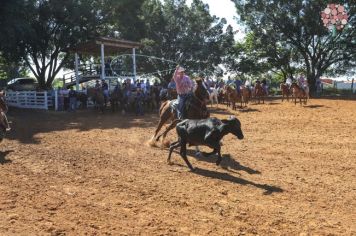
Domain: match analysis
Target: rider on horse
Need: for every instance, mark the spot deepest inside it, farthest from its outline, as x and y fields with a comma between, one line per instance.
x=238, y=84
x=301, y=81
x=184, y=87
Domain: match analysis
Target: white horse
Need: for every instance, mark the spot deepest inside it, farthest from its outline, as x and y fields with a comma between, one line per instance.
x=213, y=96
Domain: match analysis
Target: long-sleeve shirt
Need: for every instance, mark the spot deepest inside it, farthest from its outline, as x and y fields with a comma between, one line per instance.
x=184, y=85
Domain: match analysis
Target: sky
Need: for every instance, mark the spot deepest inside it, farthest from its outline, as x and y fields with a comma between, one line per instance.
x=224, y=9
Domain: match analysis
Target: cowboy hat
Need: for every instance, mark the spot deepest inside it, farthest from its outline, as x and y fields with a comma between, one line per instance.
x=180, y=69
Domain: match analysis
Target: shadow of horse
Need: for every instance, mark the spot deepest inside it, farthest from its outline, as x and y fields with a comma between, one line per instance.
x=315, y=106
x=268, y=189
x=228, y=163
x=3, y=155
x=249, y=110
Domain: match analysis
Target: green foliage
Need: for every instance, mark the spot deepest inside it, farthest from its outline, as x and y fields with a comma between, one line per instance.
x=40, y=32
x=188, y=35
x=291, y=34
x=10, y=70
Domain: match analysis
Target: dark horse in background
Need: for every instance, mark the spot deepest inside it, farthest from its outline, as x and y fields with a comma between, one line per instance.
x=197, y=110
x=97, y=97
x=4, y=124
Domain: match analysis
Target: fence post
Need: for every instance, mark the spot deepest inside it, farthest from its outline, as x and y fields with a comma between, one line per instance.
x=352, y=86
x=46, y=100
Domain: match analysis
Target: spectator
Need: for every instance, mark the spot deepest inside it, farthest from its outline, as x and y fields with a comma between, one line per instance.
x=172, y=84
x=65, y=93
x=97, y=85
x=60, y=99
x=108, y=71
x=72, y=100
x=139, y=102
x=148, y=85
x=105, y=89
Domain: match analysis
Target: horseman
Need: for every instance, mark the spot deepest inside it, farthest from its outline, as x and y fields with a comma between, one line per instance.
x=301, y=81
x=265, y=86
x=288, y=82
x=207, y=85
x=238, y=84
x=184, y=87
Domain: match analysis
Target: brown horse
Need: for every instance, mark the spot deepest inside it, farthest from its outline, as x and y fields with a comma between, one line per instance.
x=285, y=91
x=232, y=97
x=260, y=93
x=246, y=95
x=116, y=97
x=4, y=124
x=198, y=110
x=299, y=93
x=98, y=98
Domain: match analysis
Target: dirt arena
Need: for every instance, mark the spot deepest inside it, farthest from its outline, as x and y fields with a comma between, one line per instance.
x=90, y=174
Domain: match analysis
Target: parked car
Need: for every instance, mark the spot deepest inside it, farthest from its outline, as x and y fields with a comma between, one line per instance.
x=22, y=84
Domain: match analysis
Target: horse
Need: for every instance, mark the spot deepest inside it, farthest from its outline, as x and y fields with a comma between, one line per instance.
x=116, y=97
x=4, y=124
x=213, y=96
x=83, y=99
x=260, y=93
x=299, y=93
x=198, y=111
x=285, y=91
x=232, y=97
x=98, y=98
x=222, y=96
x=245, y=95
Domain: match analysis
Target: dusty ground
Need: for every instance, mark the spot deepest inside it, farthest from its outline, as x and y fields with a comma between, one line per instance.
x=88, y=174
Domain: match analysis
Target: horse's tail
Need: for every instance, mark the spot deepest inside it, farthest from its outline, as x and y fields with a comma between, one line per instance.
x=162, y=106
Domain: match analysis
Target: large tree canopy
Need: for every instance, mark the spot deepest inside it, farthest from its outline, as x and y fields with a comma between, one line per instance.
x=293, y=29
x=40, y=32
x=184, y=34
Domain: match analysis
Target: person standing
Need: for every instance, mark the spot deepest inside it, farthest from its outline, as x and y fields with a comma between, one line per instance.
x=184, y=86
x=72, y=100
x=139, y=99
x=105, y=89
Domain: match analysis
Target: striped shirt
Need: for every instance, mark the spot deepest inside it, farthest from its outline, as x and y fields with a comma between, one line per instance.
x=183, y=85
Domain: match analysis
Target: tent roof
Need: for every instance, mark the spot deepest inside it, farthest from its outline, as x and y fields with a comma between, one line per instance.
x=111, y=46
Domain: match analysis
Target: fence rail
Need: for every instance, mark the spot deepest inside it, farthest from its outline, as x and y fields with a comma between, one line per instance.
x=29, y=99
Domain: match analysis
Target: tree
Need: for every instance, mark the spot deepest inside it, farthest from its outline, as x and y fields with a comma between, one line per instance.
x=10, y=70
x=45, y=32
x=183, y=34
x=296, y=26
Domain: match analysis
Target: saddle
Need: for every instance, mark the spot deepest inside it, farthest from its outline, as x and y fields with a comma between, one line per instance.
x=173, y=104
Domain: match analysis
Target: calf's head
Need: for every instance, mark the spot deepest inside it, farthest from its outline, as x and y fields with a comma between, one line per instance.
x=233, y=126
